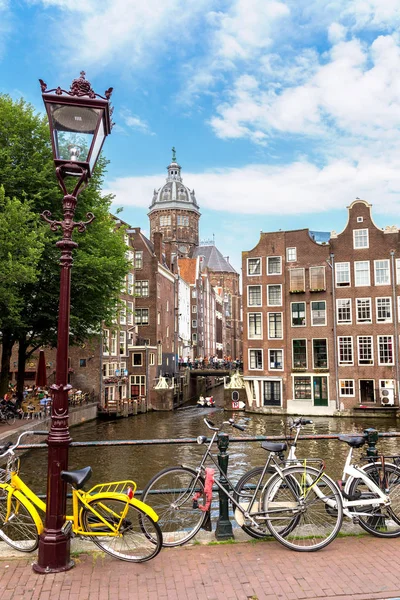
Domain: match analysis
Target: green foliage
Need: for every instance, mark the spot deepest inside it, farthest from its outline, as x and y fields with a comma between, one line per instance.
x=21, y=246
x=27, y=173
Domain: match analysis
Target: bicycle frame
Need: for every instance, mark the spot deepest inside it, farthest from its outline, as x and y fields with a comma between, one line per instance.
x=17, y=488
x=247, y=512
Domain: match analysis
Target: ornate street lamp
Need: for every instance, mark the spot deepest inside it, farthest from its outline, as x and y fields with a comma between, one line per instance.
x=79, y=122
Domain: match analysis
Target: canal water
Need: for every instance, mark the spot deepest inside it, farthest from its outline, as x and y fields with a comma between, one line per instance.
x=111, y=463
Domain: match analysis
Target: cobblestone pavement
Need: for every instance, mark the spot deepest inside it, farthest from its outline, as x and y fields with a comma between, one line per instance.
x=360, y=568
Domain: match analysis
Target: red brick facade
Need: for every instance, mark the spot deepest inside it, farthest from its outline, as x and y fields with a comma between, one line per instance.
x=321, y=319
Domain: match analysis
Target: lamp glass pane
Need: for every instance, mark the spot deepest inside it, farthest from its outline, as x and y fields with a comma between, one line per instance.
x=73, y=127
x=98, y=142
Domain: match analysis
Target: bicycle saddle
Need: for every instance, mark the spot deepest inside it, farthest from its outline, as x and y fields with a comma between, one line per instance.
x=77, y=478
x=274, y=446
x=355, y=441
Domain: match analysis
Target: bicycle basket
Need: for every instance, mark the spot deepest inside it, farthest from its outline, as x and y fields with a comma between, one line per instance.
x=114, y=487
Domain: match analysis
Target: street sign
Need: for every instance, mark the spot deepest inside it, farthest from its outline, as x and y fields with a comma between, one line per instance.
x=125, y=372
x=238, y=405
x=117, y=372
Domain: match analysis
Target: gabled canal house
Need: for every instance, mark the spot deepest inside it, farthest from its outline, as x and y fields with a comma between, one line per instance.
x=321, y=316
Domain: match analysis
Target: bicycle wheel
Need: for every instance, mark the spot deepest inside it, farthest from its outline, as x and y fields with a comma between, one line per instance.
x=10, y=417
x=20, y=531
x=243, y=493
x=304, y=510
x=133, y=543
x=170, y=493
x=383, y=521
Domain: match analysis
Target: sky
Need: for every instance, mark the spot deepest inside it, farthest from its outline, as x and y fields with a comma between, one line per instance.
x=281, y=112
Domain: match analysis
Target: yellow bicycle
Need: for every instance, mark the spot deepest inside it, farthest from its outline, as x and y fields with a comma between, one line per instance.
x=108, y=513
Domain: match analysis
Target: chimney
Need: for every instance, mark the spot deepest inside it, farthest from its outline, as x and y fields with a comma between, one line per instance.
x=157, y=241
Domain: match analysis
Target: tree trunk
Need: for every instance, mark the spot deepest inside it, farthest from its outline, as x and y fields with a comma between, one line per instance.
x=22, y=346
x=7, y=346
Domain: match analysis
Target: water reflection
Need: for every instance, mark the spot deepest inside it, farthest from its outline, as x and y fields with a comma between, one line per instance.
x=140, y=463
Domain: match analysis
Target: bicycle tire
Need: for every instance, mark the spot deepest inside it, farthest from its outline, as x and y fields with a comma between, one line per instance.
x=245, y=486
x=315, y=527
x=20, y=531
x=134, y=544
x=385, y=522
x=10, y=418
x=170, y=493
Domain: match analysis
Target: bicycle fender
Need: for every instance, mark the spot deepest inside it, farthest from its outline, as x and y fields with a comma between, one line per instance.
x=141, y=505
x=28, y=505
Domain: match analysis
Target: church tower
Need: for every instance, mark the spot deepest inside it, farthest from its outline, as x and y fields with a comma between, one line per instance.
x=175, y=213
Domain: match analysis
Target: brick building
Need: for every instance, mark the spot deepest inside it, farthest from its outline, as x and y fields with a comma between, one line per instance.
x=321, y=318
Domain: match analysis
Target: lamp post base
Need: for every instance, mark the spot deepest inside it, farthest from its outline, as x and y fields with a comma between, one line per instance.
x=54, y=554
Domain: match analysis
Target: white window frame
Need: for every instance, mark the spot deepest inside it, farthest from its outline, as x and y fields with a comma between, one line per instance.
x=113, y=343
x=303, y=376
x=390, y=320
x=275, y=312
x=375, y=270
x=360, y=364
x=269, y=359
x=152, y=359
x=311, y=314
x=359, y=262
x=289, y=253
x=398, y=271
x=305, y=314
x=122, y=312
x=130, y=284
x=353, y=395
x=248, y=295
x=280, y=265
x=254, y=337
x=327, y=352
x=122, y=337
x=355, y=237
x=338, y=301
x=254, y=274
x=341, y=363
x=106, y=342
x=130, y=313
x=337, y=269
x=387, y=364
x=141, y=309
x=280, y=292
x=298, y=340
x=194, y=323
x=262, y=359
x=138, y=259
x=358, y=321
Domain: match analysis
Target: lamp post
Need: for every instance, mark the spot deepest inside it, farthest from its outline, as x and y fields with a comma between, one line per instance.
x=79, y=121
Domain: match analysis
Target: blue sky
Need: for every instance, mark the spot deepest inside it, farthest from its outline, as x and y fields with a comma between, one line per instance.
x=282, y=112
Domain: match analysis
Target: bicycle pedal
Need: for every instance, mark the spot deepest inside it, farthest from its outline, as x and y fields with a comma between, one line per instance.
x=356, y=520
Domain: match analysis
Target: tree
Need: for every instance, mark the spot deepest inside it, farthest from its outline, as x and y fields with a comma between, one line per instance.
x=21, y=246
x=100, y=264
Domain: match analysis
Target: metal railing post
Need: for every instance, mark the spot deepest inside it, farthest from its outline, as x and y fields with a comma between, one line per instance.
x=372, y=439
x=224, y=526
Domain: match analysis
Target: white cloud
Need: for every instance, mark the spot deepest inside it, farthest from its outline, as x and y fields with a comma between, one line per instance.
x=129, y=32
x=135, y=122
x=356, y=91
x=291, y=189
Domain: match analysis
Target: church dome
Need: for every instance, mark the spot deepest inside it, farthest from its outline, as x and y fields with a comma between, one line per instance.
x=174, y=194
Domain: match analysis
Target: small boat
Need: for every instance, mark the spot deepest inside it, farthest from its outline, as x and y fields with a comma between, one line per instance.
x=208, y=402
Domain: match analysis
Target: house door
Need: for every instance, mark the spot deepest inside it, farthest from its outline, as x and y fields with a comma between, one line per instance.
x=320, y=391
x=367, y=391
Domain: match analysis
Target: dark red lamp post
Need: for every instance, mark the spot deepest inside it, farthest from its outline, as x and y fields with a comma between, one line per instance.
x=79, y=122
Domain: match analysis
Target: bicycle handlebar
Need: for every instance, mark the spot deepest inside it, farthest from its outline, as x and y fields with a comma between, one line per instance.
x=231, y=422
x=9, y=445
